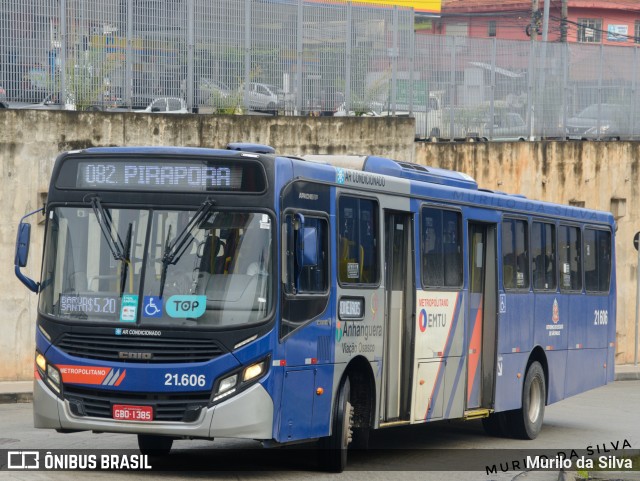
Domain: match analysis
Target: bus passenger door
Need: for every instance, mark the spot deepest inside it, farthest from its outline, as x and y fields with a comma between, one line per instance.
x=482, y=319
x=398, y=316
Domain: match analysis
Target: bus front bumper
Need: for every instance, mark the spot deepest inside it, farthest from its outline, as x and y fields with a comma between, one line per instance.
x=248, y=415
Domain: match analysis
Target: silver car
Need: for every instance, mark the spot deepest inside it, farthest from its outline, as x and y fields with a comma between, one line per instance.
x=166, y=105
x=264, y=97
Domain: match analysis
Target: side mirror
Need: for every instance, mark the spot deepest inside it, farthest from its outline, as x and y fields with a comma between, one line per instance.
x=22, y=244
x=22, y=252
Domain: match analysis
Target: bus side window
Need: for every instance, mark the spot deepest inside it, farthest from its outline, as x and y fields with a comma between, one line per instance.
x=515, y=254
x=358, y=246
x=597, y=260
x=441, y=248
x=543, y=249
x=300, y=276
x=570, y=258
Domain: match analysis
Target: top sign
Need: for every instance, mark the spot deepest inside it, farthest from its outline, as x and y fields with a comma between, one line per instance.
x=144, y=174
x=158, y=176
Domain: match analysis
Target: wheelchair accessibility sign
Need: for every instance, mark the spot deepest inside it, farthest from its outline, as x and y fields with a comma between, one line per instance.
x=152, y=306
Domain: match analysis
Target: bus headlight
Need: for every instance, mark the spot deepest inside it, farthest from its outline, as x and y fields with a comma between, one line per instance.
x=53, y=375
x=239, y=380
x=253, y=371
x=49, y=373
x=226, y=387
x=41, y=362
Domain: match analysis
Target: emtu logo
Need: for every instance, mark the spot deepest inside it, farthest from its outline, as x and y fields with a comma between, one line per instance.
x=422, y=320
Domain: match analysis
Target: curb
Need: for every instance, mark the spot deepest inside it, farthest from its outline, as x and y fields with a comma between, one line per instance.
x=628, y=376
x=14, y=398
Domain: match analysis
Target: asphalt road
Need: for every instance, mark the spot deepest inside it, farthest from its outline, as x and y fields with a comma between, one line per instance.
x=598, y=419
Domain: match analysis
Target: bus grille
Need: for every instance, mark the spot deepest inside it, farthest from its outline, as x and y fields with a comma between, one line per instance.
x=136, y=349
x=178, y=407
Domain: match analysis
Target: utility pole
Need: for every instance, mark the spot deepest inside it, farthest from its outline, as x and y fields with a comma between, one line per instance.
x=563, y=22
x=535, y=7
x=545, y=21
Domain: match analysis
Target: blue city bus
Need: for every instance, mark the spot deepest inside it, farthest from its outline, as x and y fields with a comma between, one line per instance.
x=201, y=293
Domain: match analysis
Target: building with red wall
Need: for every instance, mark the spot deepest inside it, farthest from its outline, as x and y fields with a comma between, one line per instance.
x=588, y=21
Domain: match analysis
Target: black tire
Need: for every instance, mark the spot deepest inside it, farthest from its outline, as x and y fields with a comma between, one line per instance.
x=154, y=445
x=333, y=449
x=360, y=439
x=496, y=425
x=526, y=422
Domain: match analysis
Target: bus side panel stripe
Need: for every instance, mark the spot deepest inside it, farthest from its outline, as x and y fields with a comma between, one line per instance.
x=461, y=364
x=446, y=349
x=474, y=360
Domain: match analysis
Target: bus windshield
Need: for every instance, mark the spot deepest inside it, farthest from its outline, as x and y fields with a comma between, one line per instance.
x=200, y=268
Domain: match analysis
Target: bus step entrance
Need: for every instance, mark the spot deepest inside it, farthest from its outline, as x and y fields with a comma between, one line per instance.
x=477, y=414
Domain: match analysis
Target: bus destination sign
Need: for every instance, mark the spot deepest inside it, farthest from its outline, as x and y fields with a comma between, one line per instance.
x=183, y=176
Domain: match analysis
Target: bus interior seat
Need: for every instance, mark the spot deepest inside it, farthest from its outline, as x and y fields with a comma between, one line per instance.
x=347, y=257
x=507, y=276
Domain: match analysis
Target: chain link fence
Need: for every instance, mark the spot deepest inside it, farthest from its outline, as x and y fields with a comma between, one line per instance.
x=296, y=57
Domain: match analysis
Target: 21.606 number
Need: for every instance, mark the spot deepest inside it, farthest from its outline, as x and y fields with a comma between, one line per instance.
x=193, y=380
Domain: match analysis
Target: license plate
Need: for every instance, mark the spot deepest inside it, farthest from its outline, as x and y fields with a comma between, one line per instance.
x=126, y=412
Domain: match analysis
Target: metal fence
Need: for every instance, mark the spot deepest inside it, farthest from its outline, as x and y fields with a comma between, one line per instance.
x=501, y=89
x=285, y=56
x=296, y=57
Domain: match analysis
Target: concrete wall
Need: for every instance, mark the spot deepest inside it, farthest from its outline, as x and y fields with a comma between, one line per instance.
x=560, y=172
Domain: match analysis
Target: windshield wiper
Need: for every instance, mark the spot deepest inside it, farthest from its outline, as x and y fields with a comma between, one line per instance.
x=119, y=250
x=126, y=259
x=173, y=251
x=106, y=225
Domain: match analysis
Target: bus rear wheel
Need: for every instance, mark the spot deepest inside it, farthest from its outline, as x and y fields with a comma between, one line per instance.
x=333, y=449
x=526, y=422
x=154, y=445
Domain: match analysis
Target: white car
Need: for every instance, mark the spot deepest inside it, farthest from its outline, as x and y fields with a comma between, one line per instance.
x=263, y=97
x=166, y=105
x=51, y=102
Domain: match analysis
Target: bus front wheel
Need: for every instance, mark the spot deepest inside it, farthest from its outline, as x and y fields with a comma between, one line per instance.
x=333, y=449
x=154, y=445
x=526, y=422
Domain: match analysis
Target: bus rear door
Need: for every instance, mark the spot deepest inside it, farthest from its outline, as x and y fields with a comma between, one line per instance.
x=482, y=318
x=399, y=282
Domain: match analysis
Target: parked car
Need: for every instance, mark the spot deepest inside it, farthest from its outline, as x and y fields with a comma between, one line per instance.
x=508, y=126
x=210, y=91
x=600, y=121
x=264, y=97
x=166, y=105
x=52, y=102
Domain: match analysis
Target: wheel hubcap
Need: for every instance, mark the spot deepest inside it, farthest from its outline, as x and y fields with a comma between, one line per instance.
x=347, y=433
x=535, y=397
